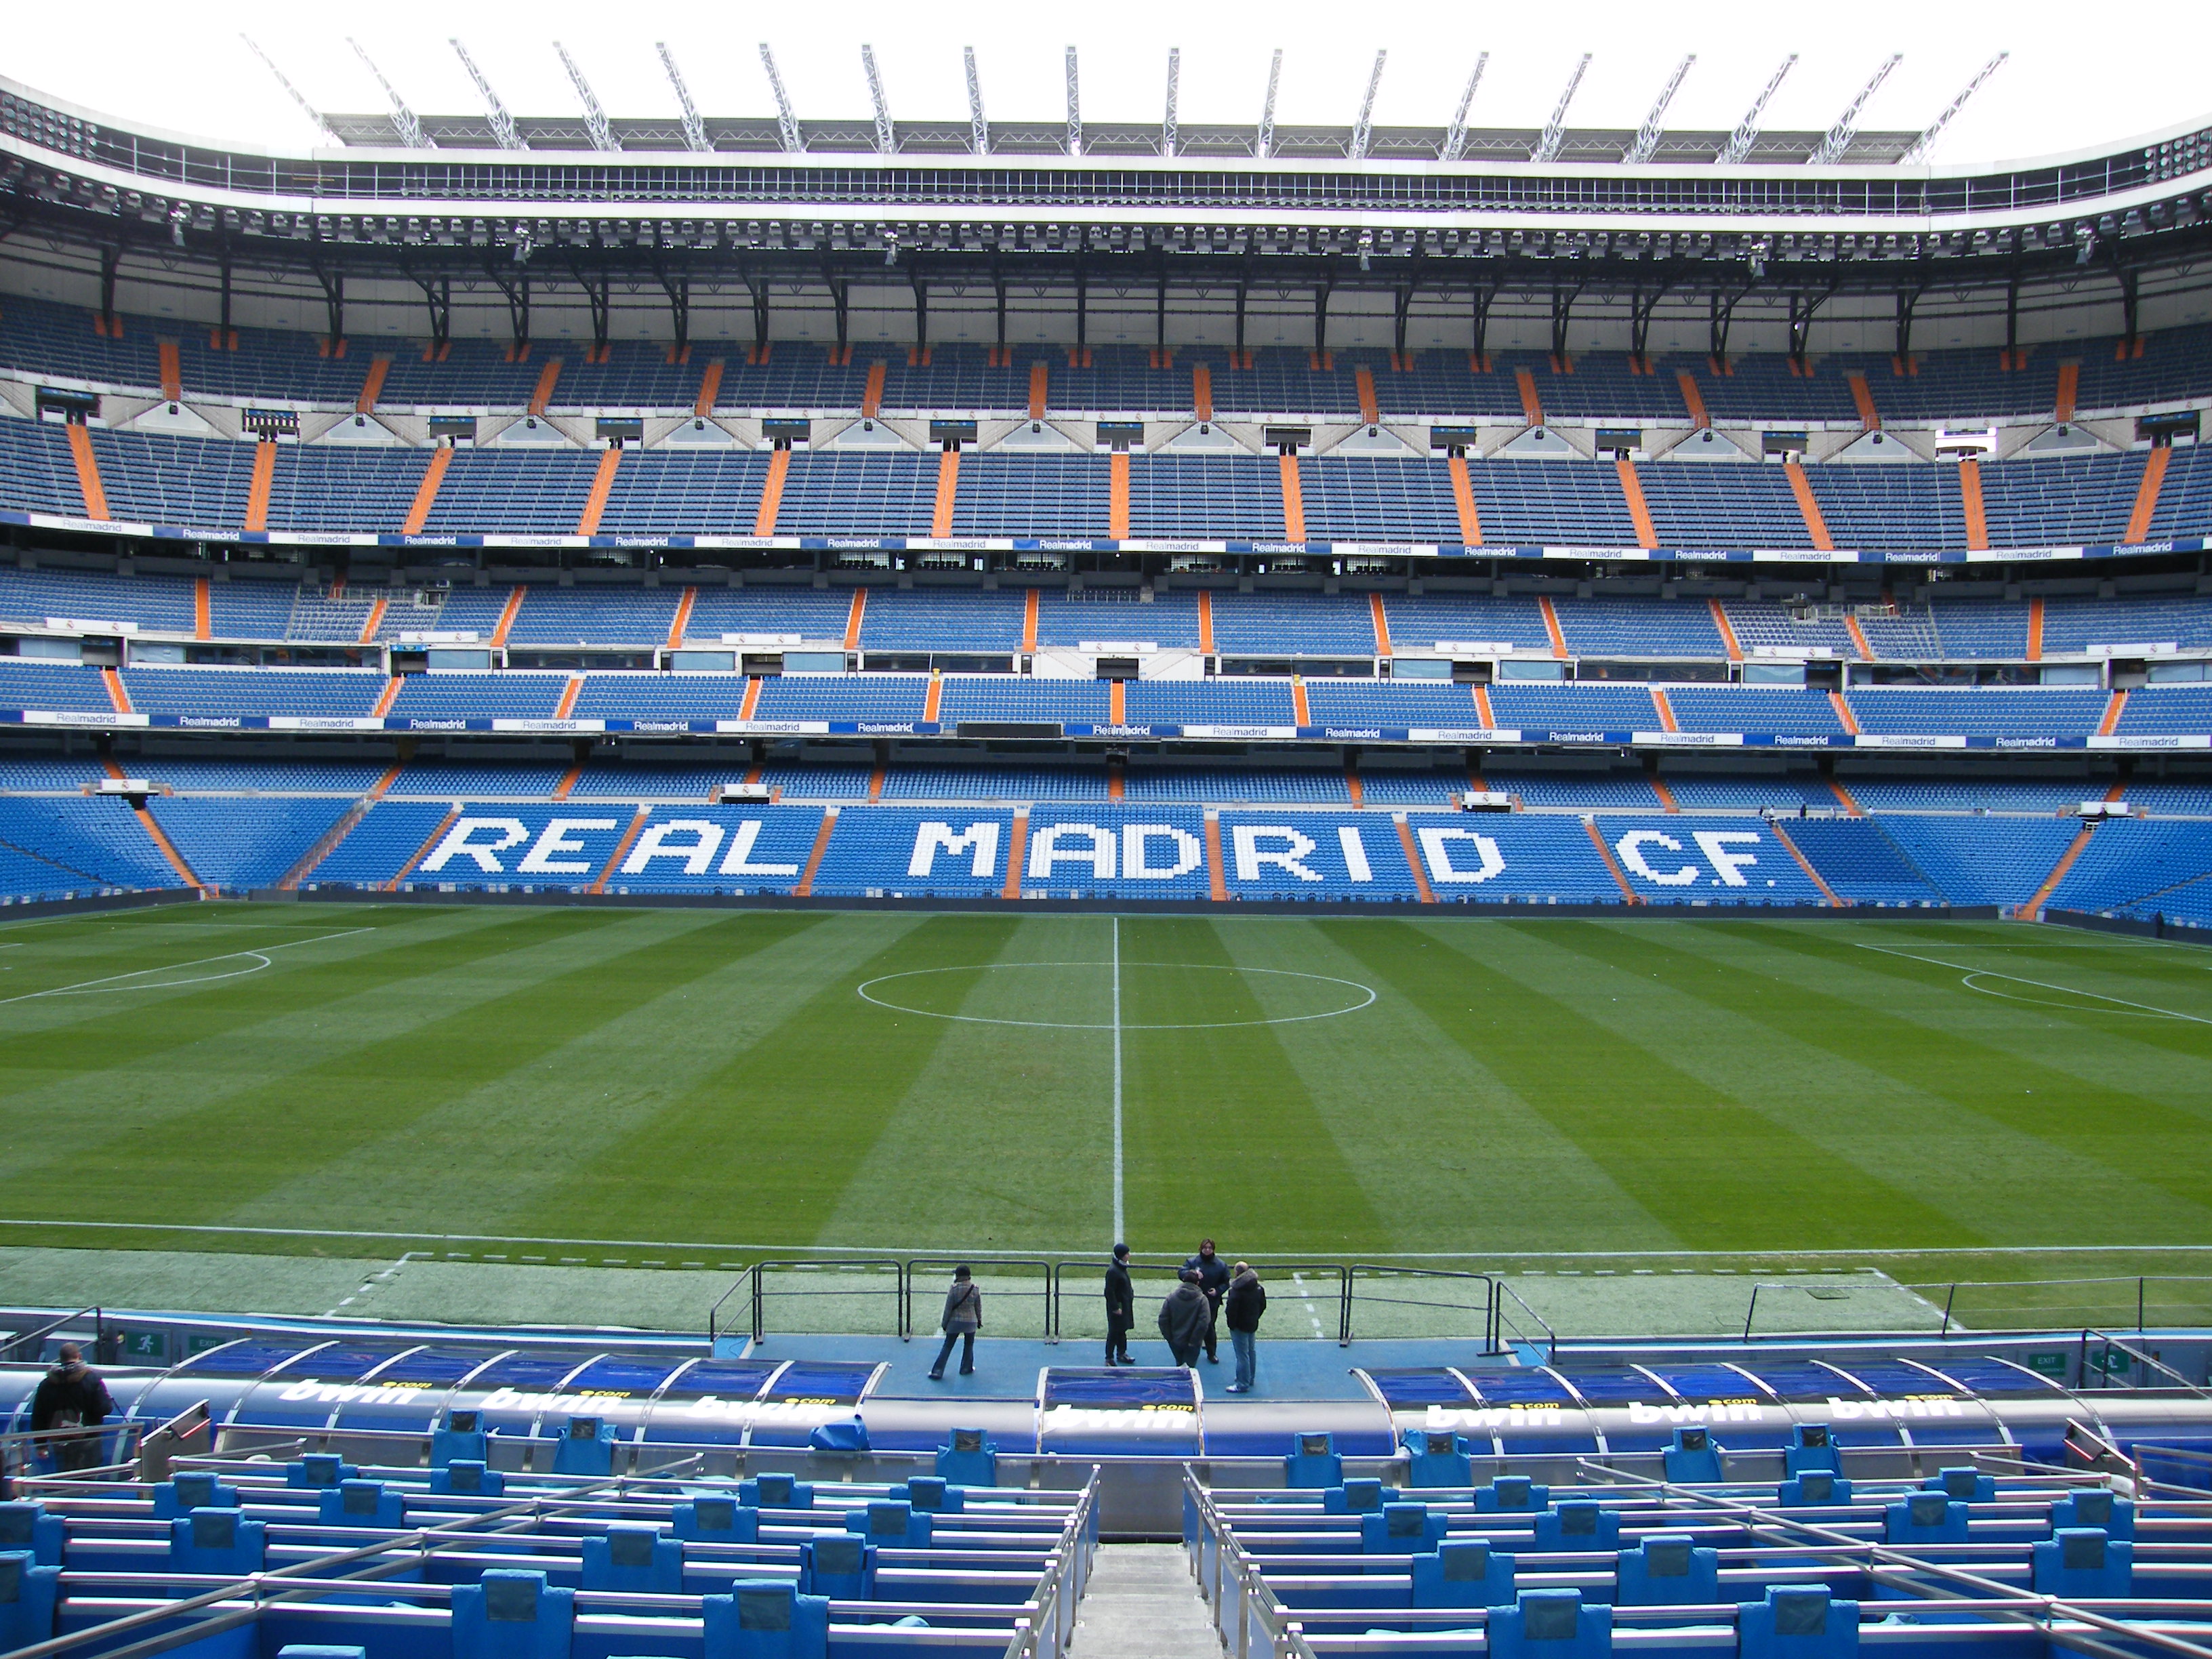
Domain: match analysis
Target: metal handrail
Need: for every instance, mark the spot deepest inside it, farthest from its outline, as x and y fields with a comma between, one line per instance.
x=809, y=1264
x=30, y=1345
x=2149, y=1361
x=1489, y=1300
x=1550, y=1336
x=714, y=1313
x=2141, y=1281
x=916, y=1265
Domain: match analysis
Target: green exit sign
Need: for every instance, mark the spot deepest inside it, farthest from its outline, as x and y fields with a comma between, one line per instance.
x=145, y=1345
x=2048, y=1364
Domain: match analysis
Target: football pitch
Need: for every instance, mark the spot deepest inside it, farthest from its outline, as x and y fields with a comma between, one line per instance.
x=1943, y=1100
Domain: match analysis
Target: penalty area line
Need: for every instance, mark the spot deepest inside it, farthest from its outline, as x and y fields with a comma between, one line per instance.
x=1972, y=974
x=110, y=982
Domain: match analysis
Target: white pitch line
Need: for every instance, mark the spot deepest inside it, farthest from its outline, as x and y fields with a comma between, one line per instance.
x=108, y=983
x=1118, y=1234
x=1972, y=974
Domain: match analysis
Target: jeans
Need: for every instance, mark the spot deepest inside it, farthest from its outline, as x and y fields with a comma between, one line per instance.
x=1246, y=1344
x=967, y=1353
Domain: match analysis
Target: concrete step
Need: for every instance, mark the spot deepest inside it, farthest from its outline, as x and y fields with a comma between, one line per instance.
x=1142, y=1604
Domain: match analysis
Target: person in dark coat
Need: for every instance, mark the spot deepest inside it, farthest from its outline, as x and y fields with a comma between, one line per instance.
x=70, y=1396
x=1241, y=1308
x=1212, y=1279
x=1186, y=1318
x=1121, y=1307
x=962, y=1318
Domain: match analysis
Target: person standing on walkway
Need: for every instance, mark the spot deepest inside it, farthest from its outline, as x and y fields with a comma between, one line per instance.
x=72, y=1396
x=1121, y=1307
x=1240, y=1308
x=963, y=1318
x=1187, y=1318
x=1212, y=1279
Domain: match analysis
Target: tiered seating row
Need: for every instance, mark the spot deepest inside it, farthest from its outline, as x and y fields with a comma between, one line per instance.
x=1870, y=512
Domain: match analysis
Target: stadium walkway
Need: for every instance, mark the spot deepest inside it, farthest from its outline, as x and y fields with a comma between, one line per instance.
x=1142, y=1604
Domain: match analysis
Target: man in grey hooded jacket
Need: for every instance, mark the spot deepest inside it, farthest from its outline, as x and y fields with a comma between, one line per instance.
x=1186, y=1318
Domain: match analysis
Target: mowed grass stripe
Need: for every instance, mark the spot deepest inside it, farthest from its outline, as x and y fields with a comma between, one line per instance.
x=1221, y=1135
x=763, y=1147
x=1446, y=1151
x=1042, y=1088
x=695, y=984
x=1714, y=1001
x=71, y=1092
x=205, y=1164
x=1715, y=1169
x=2096, y=1118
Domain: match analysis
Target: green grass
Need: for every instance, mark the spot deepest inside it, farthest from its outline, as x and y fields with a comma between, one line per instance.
x=712, y=1081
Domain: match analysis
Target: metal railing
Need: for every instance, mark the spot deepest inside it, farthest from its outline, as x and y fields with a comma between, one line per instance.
x=2046, y=1314
x=27, y=1348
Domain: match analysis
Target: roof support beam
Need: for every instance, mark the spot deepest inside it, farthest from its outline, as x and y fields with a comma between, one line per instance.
x=410, y=127
x=595, y=119
x=504, y=130
x=1167, y=136
x=786, y=122
x=1267, y=144
x=1847, y=124
x=695, y=129
x=1919, y=147
x=1555, y=129
x=886, y=143
x=1455, y=134
x=1363, y=129
x=1074, y=109
x=1738, y=148
x=306, y=108
x=979, y=129
x=1647, y=137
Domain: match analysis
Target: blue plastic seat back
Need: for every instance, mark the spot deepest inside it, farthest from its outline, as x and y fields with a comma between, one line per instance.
x=362, y=1504
x=1692, y=1455
x=1797, y=1621
x=1812, y=1488
x=890, y=1524
x=1966, y=1483
x=969, y=1458
x=1402, y=1530
x=1463, y=1572
x=716, y=1520
x=632, y=1555
x=1579, y=1523
x=511, y=1613
x=1434, y=1458
x=27, y=1526
x=585, y=1448
x=319, y=1471
x=933, y=1494
x=1358, y=1497
x=766, y=1618
x=838, y=1565
x=1313, y=1464
x=1550, y=1624
x=1812, y=1446
x=1512, y=1494
x=2085, y=1506
x=2083, y=1561
x=1925, y=1518
x=195, y=1489
x=459, y=1438
x=28, y=1595
x=469, y=1476
x=219, y=1541
x=775, y=1491
x=1668, y=1569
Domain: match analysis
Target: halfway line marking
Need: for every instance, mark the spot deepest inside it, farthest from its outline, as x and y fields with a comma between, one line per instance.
x=1117, y=1080
x=1974, y=974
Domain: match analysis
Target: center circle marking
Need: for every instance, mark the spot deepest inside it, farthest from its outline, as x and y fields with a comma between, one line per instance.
x=1366, y=993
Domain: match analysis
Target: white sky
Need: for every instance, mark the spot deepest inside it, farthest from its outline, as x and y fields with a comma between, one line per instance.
x=2080, y=76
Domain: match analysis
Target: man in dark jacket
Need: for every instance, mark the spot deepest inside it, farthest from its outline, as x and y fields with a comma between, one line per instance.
x=1121, y=1307
x=1212, y=1279
x=70, y=1396
x=1186, y=1318
x=1241, y=1308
